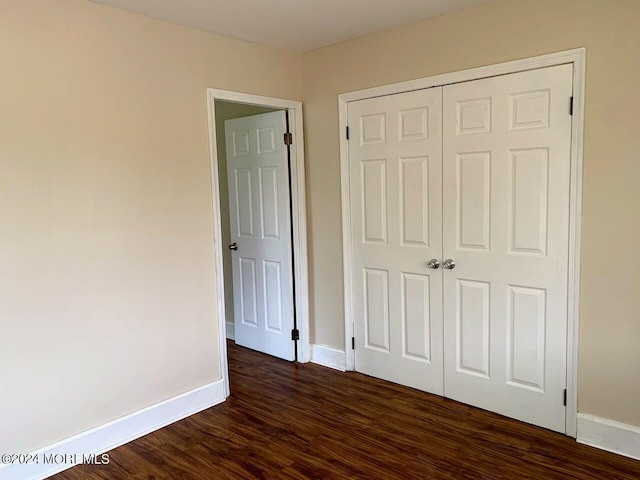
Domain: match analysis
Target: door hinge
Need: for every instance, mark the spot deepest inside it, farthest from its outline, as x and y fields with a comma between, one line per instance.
x=353, y=343
x=571, y=106
x=295, y=334
x=564, y=397
x=288, y=138
x=347, y=133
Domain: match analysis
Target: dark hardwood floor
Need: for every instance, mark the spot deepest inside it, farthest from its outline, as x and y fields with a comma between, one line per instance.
x=305, y=421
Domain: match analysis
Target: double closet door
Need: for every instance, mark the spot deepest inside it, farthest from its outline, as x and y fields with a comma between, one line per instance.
x=460, y=231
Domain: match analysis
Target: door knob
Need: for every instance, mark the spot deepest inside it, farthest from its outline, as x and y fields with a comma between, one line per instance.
x=449, y=264
x=433, y=263
x=233, y=246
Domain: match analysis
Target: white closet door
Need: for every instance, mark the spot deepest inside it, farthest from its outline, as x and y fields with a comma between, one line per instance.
x=506, y=226
x=395, y=155
x=257, y=169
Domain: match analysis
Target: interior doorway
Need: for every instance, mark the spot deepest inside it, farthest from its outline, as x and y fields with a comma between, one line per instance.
x=257, y=172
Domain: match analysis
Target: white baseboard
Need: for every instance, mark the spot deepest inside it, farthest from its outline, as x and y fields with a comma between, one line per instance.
x=609, y=435
x=118, y=432
x=328, y=357
x=231, y=330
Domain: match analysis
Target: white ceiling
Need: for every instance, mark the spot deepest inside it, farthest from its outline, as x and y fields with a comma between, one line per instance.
x=298, y=25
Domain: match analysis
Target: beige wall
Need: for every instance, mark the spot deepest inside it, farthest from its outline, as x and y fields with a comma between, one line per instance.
x=106, y=249
x=228, y=111
x=501, y=30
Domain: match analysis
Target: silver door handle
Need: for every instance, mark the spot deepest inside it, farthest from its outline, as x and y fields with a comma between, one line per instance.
x=449, y=264
x=233, y=246
x=434, y=263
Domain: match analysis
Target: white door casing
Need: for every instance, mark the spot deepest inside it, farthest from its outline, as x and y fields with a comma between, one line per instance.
x=576, y=59
x=395, y=151
x=506, y=183
x=260, y=219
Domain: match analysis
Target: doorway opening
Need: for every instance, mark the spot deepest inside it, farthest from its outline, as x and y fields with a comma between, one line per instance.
x=257, y=177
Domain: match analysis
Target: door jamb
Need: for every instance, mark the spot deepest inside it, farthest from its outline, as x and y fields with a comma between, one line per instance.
x=576, y=57
x=298, y=214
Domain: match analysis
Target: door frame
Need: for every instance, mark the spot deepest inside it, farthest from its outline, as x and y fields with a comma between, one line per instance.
x=576, y=57
x=298, y=214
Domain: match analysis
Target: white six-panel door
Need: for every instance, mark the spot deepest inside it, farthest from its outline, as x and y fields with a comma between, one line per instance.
x=489, y=190
x=395, y=151
x=258, y=175
x=506, y=225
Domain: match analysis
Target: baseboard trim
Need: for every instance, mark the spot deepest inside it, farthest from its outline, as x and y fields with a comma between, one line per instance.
x=118, y=432
x=231, y=331
x=328, y=357
x=609, y=435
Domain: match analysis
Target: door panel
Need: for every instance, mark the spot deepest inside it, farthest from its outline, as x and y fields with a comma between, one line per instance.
x=269, y=214
x=528, y=201
x=374, y=201
x=526, y=322
x=474, y=201
x=416, y=318
x=472, y=327
x=376, y=309
x=506, y=178
x=248, y=291
x=244, y=201
x=257, y=165
x=396, y=208
x=414, y=201
x=273, y=295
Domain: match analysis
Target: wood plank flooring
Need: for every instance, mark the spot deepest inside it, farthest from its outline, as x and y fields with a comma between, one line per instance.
x=291, y=421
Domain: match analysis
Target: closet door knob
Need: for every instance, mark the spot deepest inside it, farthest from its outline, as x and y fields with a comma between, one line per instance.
x=434, y=263
x=233, y=246
x=449, y=264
